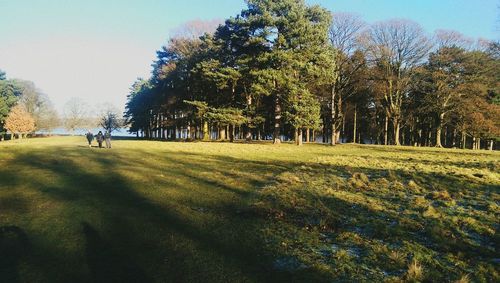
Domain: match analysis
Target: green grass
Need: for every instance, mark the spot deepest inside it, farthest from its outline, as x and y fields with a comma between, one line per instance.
x=219, y=212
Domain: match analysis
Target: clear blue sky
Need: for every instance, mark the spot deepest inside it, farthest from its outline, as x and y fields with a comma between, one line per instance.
x=94, y=49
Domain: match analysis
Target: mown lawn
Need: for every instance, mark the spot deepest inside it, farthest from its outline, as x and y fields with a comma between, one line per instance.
x=217, y=212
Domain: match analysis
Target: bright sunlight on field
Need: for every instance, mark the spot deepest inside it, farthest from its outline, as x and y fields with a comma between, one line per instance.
x=165, y=211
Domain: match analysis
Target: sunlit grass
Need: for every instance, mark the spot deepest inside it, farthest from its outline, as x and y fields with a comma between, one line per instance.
x=164, y=211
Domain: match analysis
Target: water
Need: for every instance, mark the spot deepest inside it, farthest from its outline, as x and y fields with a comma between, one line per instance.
x=123, y=132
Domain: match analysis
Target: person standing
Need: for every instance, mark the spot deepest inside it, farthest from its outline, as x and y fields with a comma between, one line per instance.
x=99, y=138
x=90, y=137
x=107, y=138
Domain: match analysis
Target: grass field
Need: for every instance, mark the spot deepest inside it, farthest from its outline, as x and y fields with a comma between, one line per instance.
x=219, y=212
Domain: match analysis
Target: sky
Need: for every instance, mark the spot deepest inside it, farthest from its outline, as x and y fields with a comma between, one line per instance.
x=95, y=49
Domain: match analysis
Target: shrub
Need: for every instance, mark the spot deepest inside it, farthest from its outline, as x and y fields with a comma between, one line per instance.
x=421, y=202
x=415, y=272
x=431, y=212
x=359, y=181
x=440, y=195
x=398, y=258
x=464, y=279
x=413, y=186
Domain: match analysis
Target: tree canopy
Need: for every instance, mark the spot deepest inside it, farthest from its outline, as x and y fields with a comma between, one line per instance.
x=19, y=121
x=281, y=69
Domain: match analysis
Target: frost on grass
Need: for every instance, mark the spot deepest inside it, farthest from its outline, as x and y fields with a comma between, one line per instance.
x=373, y=219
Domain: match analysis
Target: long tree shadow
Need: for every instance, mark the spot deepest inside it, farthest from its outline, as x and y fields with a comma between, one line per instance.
x=14, y=247
x=129, y=234
x=138, y=234
x=106, y=264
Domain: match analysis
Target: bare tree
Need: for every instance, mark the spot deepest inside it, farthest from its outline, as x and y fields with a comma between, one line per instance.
x=345, y=30
x=395, y=47
x=196, y=28
x=109, y=118
x=343, y=34
x=451, y=38
x=75, y=114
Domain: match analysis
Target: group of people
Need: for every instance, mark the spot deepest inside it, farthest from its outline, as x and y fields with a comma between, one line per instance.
x=100, y=138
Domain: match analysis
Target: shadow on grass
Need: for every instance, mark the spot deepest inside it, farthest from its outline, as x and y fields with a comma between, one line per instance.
x=14, y=247
x=106, y=264
x=128, y=237
x=108, y=227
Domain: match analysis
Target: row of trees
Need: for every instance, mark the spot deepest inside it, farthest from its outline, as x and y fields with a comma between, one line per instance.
x=286, y=70
x=78, y=115
x=23, y=108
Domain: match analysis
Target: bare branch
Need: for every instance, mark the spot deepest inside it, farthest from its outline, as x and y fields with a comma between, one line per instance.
x=196, y=28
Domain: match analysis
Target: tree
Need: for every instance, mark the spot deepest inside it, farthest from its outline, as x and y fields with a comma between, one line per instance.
x=395, y=48
x=110, y=121
x=302, y=113
x=136, y=114
x=451, y=38
x=444, y=80
x=75, y=114
x=48, y=120
x=10, y=91
x=343, y=34
x=265, y=73
x=481, y=115
x=293, y=43
x=39, y=106
x=19, y=122
x=196, y=28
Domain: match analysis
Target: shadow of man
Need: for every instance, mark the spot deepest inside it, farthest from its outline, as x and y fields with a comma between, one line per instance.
x=107, y=264
x=14, y=245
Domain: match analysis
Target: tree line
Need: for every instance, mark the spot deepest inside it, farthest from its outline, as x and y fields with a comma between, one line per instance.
x=284, y=70
x=25, y=110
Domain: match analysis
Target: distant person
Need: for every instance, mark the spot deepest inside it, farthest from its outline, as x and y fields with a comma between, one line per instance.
x=107, y=138
x=99, y=138
x=90, y=137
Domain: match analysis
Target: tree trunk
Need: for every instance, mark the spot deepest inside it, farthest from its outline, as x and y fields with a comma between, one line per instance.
x=429, y=136
x=492, y=145
x=333, y=117
x=464, y=139
x=397, y=125
x=308, y=135
x=206, y=136
x=454, y=139
x=386, y=130
x=222, y=133
x=439, y=130
x=438, y=137
x=342, y=133
x=313, y=136
x=248, y=134
x=232, y=132
x=277, y=121
x=355, y=124
x=298, y=135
